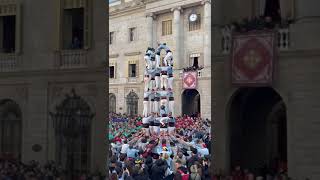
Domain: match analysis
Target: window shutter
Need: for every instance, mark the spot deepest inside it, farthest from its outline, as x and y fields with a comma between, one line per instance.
x=87, y=24
x=18, y=28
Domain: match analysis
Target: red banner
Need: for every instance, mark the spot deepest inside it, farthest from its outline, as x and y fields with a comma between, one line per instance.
x=253, y=56
x=190, y=80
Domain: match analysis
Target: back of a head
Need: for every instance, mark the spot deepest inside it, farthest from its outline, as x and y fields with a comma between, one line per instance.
x=114, y=176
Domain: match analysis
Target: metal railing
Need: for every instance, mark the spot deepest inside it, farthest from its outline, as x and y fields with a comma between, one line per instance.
x=283, y=41
x=71, y=59
x=9, y=62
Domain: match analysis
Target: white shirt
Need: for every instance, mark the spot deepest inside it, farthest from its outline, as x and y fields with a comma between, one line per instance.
x=124, y=148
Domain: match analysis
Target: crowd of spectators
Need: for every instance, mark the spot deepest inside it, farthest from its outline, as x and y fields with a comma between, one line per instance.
x=16, y=170
x=183, y=155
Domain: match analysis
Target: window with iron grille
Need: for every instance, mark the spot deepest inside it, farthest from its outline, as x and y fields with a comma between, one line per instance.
x=10, y=129
x=132, y=103
x=166, y=27
x=112, y=102
x=196, y=25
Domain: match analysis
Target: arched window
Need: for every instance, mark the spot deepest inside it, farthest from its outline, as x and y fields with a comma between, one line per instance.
x=72, y=123
x=132, y=103
x=112, y=103
x=10, y=129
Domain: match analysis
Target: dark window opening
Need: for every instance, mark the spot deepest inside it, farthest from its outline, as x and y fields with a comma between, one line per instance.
x=132, y=70
x=132, y=34
x=8, y=33
x=272, y=10
x=73, y=34
x=111, y=37
x=195, y=62
x=111, y=72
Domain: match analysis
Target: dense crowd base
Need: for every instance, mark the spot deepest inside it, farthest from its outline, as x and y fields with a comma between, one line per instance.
x=276, y=173
x=16, y=170
x=182, y=154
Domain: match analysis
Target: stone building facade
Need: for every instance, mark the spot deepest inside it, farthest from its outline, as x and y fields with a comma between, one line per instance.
x=295, y=86
x=54, y=48
x=165, y=21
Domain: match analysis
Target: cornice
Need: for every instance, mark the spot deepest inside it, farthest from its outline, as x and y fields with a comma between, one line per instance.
x=176, y=8
x=219, y=57
x=132, y=53
x=126, y=7
x=205, y=1
x=53, y=72
x=122, y=12
x=113, y=55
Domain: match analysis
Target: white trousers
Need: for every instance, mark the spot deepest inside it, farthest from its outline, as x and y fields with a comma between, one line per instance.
x=156, y=129
x=148, y=61
x=158, y=83
x=156, y=106
x=145, y=108
x=164, y=81
x=152, y=84
x=157, y=60
x=151, y=128
x=153, y=64
x=163, y=129
x=146, y=131
x=167, y=59
x=170, y=83
x=150, y=106
x=171, y=130
x=171, y=108
x=146, y=83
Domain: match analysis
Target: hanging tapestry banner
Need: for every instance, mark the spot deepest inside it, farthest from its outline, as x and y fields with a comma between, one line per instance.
x=190, y=79
x=252, y=58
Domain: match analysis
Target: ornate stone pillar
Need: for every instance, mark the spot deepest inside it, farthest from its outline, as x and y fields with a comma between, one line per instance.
x=150, y=17
x=207, y=34
x=177, y=37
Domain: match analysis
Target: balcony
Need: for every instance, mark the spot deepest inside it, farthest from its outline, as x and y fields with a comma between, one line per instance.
x=69, y=59
x=9, y=62
x=283, y=41
x=132, y=80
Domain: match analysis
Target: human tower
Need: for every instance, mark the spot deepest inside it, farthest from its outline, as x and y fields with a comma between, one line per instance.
x=158, y=102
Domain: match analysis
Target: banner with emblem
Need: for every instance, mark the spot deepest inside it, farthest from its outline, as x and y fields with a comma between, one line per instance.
x=190, y=80
x=252, y=58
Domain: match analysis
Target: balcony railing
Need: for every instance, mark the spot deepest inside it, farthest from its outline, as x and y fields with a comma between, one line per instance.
x=71, y=59
x=132, y=79
x=9, y=62
x=283, y=41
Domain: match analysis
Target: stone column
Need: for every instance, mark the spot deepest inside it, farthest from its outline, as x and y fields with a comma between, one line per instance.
x=177, y=37
x=207, y=34
x=150, y=17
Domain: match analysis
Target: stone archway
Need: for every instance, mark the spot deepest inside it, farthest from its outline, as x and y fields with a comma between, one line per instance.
x=191, y=102
x=72, y=125
x=258, y=129
x=10, y=129
x=112, y=103
x=132, y=103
